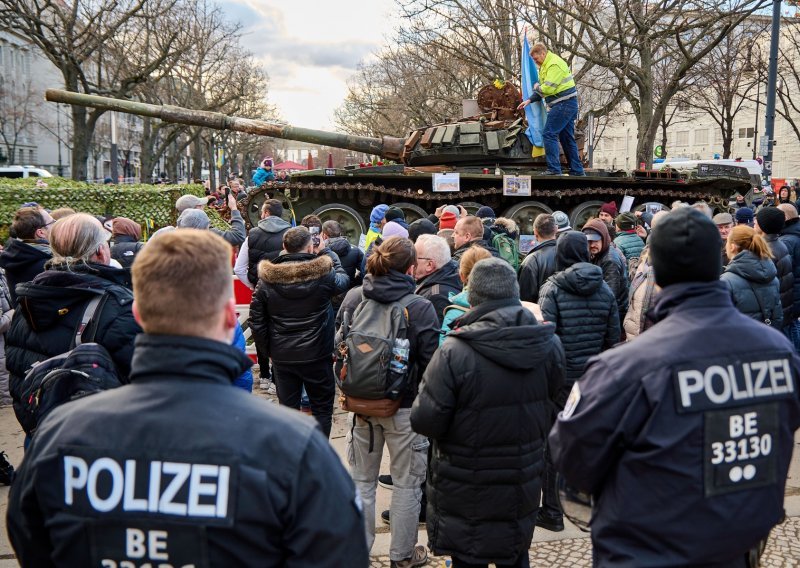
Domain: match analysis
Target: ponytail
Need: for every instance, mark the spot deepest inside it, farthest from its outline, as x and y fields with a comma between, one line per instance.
x=745, y=238
x=394, y=253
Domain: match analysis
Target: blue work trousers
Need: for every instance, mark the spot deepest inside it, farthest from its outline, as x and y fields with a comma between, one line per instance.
x=560, y=127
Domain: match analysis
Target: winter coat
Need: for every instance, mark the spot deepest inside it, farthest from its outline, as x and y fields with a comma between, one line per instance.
x=50, y=309
x=790, y=236
x=582, y=306
x=643, y=295
x=630, y=244
x=754, y=288
x=423, y=325
x=438, y=286
x=538, y=266
x=459, y=252
x=265, y=242
x=459, y=305
x=6, y=314
x=615, y=268
x=486, y=402
x=245, y=380
x=245, y=483
x=237, y=233
x=783, y=264
x=352, y=259
x=261, y=176
x=125, y=249
x=290, y=314
x=23, y=261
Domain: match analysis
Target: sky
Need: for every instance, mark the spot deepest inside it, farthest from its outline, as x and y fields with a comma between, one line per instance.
x=310, y=48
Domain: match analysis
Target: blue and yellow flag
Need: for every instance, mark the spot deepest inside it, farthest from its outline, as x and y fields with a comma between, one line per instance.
x=535, y=113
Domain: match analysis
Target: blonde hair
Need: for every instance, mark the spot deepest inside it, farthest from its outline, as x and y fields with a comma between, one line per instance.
x=745, y=238
x=181, y=282
x=76, y=239
x=468, y=260
x=539, y=47
x=62, y=212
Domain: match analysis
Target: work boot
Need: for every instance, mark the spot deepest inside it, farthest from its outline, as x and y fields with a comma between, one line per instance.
x=554, y=524
x=418, y=557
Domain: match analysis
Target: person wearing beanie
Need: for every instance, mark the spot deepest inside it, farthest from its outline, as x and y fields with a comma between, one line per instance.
x=397, y=215
x=790, y=236
x=585, y=313
x=237, y=233
x=420, y=227
x=484, y=481
x=484, y=213
x=540, y=263
x=656, y=413
x=562, y=221
x=607, y=256
x=376, y=223
x=125, y=234
x=608, y=212
x=627, y=240
x=769, y=223
x=394, y=229
x=744, y=216
x=448, y=220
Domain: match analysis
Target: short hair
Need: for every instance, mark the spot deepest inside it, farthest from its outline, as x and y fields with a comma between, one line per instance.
x=545, y=225
x=394, y=253
x=436, y=248
x=62, y=212
x=76, y=239
x=273, y=206
x=181, y=281
x=332, y=228
x=539, y=47
x=472, y=225
x=193, y=219
x=311, y=221
x=789, y=210
x=296, y=239
x=468, y=260
x=704, y=208
x=27, y=220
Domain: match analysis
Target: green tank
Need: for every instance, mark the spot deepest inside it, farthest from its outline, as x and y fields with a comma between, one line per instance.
x=481, y=160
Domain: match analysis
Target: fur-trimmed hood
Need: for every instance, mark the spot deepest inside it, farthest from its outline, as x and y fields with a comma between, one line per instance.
x=294, y=268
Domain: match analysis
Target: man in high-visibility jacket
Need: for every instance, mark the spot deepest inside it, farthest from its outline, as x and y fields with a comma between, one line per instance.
x=557, y=87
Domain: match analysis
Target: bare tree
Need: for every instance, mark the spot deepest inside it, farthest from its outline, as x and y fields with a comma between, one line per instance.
x=19, y=107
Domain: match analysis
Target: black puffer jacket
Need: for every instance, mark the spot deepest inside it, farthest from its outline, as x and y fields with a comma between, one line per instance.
x=538, y=266
x=50, y=308
x=351, y=258
x=125, y=249
x=23, y=262
x=486, y=401
x=264, y=242
x=783, y=263
x=790, y=236
x=584, y=310
x=459, y=252
x=291, y=315
x=438, y=286
x=754, y=287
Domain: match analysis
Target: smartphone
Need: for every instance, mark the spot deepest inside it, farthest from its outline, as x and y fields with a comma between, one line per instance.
x=227, y=192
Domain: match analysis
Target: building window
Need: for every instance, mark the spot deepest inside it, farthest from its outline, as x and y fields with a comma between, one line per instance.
x=30, y=157
x=746, y=133
x=701, y=136
x=682, y=138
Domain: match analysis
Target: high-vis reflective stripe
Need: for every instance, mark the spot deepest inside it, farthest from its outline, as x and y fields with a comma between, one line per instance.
x=555, y=75
x=564, y=81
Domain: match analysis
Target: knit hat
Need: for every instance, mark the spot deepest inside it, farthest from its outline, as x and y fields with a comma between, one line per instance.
x=723, y=219
x=485, y=212
x=393, y=213
x=420, y=227
x=626, y=221
x=492, y=279
x=193, y=219
x=452, y=209
x=744, y=216
x=610, y=208
x=392, y=229
x=562, y=221
x=448, y=220
x=571, y=248
x=771, y=220
x=684, y=247
x=377, y=213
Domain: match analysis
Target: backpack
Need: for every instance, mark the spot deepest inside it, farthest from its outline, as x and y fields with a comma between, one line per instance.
x=369, y=369
x=86, y=369
x=507, y=248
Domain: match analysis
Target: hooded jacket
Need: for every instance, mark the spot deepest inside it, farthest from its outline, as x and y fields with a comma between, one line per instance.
x=754, y=287
x=22, y=261
x=643, y=295
x=352, y=259
x=438, y=287
x=257, y=485
x=581, y=305
x=790, y=236
x=486, y=402
x=537, y=267
x=612, y=261
x=459, y=305
x=265, y=242
x=644, y=447
x=50, y=309
x=290, y=314
x=459, y=252
x=783, y=264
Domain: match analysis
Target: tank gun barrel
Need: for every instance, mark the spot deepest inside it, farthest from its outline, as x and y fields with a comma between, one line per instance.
x=386, y=147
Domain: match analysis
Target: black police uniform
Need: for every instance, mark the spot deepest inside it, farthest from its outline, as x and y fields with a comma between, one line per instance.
x=182, y=469
x=684, y=436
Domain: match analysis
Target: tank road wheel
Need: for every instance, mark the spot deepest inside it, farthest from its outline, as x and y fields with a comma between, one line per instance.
x=351, y=221
x=525, y=213
x=583, y=212
x=653, y=207
x=412, y=212
x=250, y=206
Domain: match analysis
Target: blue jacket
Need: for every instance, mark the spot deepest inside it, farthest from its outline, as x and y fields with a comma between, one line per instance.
x=642, y=434
x=245, y=380
x=457, y=308
x=262, y=176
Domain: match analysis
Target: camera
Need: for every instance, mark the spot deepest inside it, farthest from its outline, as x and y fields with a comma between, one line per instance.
x=315, y=237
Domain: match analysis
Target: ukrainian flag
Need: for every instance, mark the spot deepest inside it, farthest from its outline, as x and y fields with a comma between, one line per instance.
x=535, y=113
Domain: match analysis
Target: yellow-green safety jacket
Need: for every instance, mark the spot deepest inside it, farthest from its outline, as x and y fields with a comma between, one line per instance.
x=555, y=81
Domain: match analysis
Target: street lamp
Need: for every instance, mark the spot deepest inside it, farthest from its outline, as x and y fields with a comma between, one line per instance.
x=772, y=79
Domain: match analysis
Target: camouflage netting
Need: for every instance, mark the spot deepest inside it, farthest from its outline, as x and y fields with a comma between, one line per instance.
x=153, y=206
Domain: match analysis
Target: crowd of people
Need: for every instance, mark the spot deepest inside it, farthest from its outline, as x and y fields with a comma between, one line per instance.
x=598, y=355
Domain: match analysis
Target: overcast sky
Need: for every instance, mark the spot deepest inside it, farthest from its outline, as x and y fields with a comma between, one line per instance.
x=310, y=48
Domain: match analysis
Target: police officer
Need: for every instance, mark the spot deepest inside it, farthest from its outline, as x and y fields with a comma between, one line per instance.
x=180, y=468
x=684, y=436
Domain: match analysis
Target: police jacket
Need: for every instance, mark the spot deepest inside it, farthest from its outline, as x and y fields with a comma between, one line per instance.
x=754, y=286
x=790, y=236
x=291, y=315
x=783, y=264
x=537, y=267
x=51, y=307
x=265, y=242
x=22, y=261
x=684, y=439
x=170, y=470
x=438, y=286
x=486, y=403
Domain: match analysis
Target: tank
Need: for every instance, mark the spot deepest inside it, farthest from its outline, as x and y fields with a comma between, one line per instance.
x=489, y=152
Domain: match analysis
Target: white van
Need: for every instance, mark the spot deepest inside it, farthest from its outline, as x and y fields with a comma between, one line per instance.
x=23, y=172
x=753, y=167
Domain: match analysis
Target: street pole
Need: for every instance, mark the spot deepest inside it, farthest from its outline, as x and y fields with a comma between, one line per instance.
x=590, y=139
x=755, y=132
x=772, y=80
x=58, y=123
x=114, y=165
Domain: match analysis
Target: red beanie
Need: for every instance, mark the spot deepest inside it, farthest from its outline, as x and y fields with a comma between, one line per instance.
x=610, y=208
x=447, y=220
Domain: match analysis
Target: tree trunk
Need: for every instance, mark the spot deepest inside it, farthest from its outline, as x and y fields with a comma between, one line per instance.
x=212, y=166
x=147, y=156
x=197, y=158
x=727, y=137
x=81, y=138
